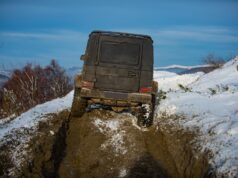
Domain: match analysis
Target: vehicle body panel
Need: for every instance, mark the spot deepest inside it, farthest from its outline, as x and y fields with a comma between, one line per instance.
x=118, y=64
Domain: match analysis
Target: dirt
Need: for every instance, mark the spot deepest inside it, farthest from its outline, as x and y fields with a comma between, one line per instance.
x=105, y=144
x=42, y=154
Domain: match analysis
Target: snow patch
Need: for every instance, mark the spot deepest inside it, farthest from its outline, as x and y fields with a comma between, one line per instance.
x=115, y=135
x=122, y=173
x=147, y=110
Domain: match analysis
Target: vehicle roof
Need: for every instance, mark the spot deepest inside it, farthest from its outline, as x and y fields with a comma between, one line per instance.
x=110, y=33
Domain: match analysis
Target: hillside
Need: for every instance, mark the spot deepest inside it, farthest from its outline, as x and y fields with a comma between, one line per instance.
x=211, y=107
x=204, y=107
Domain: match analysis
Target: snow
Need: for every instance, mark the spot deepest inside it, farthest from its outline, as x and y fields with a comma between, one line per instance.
x=31, y=118
x=215, y=114
x=114, y=133
x=122, y=173
x=181, y=67
x=170, y=80
x=225, y=76
x=147, y=109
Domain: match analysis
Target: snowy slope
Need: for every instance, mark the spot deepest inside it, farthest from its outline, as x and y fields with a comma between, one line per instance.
x=215, y=113
x=31, y=118
x=20, y=131
x=169, y=81
x=225, y=76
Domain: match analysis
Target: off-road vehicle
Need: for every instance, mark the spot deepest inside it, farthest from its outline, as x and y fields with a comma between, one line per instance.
x=117, y=72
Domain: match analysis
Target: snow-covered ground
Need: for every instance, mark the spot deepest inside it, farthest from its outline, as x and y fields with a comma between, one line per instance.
x=169, y=81
x=31, y=118
x=211, y=106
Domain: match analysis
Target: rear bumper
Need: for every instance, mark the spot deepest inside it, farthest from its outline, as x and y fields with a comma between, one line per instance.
x=115, y=98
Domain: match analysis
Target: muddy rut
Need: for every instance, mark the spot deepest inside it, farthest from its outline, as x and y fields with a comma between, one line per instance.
x=105, y=144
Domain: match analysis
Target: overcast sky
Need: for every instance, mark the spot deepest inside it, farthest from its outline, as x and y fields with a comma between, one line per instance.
x=183, y=31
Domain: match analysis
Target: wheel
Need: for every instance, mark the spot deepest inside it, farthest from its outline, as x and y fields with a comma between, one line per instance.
x=146, y=114
x=79, y=104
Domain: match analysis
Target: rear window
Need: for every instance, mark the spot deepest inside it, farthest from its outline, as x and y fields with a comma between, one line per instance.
x=120, y=53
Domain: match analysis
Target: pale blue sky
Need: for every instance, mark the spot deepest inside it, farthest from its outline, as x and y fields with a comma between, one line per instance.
x=183, y=31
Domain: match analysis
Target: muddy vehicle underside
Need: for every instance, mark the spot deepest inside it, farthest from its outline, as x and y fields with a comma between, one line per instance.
x=117, y=72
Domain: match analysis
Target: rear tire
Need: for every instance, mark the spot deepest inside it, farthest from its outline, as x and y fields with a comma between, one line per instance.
x=146, y=114
x=79, y=104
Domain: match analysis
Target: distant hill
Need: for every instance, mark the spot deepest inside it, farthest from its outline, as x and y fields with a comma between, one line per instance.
x=72, y=71
x=178, y=69
x=4, y=76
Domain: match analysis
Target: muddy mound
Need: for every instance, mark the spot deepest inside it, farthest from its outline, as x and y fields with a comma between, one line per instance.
x=105, y=144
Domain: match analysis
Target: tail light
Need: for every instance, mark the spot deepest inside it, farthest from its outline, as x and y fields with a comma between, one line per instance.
x=145, y=90
x=87, y=84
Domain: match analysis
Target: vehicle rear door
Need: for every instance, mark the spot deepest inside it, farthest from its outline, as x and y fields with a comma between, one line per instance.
x=118, y=63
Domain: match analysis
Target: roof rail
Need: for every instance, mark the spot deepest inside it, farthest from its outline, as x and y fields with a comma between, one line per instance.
x=110, y=33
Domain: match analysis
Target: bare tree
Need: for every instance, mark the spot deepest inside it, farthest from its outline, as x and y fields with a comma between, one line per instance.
x=214, y=61
x=33, y=85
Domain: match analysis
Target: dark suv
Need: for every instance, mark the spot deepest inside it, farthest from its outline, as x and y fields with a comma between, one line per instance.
x=117, y=72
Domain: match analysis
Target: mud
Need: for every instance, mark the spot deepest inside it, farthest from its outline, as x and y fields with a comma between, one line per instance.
x=105, y=144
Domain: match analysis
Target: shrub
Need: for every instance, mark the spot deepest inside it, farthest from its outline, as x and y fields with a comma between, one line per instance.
x=214, y=61
x=186, y=89
x=213, y=91
x=161, y=96
x=33, y=85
